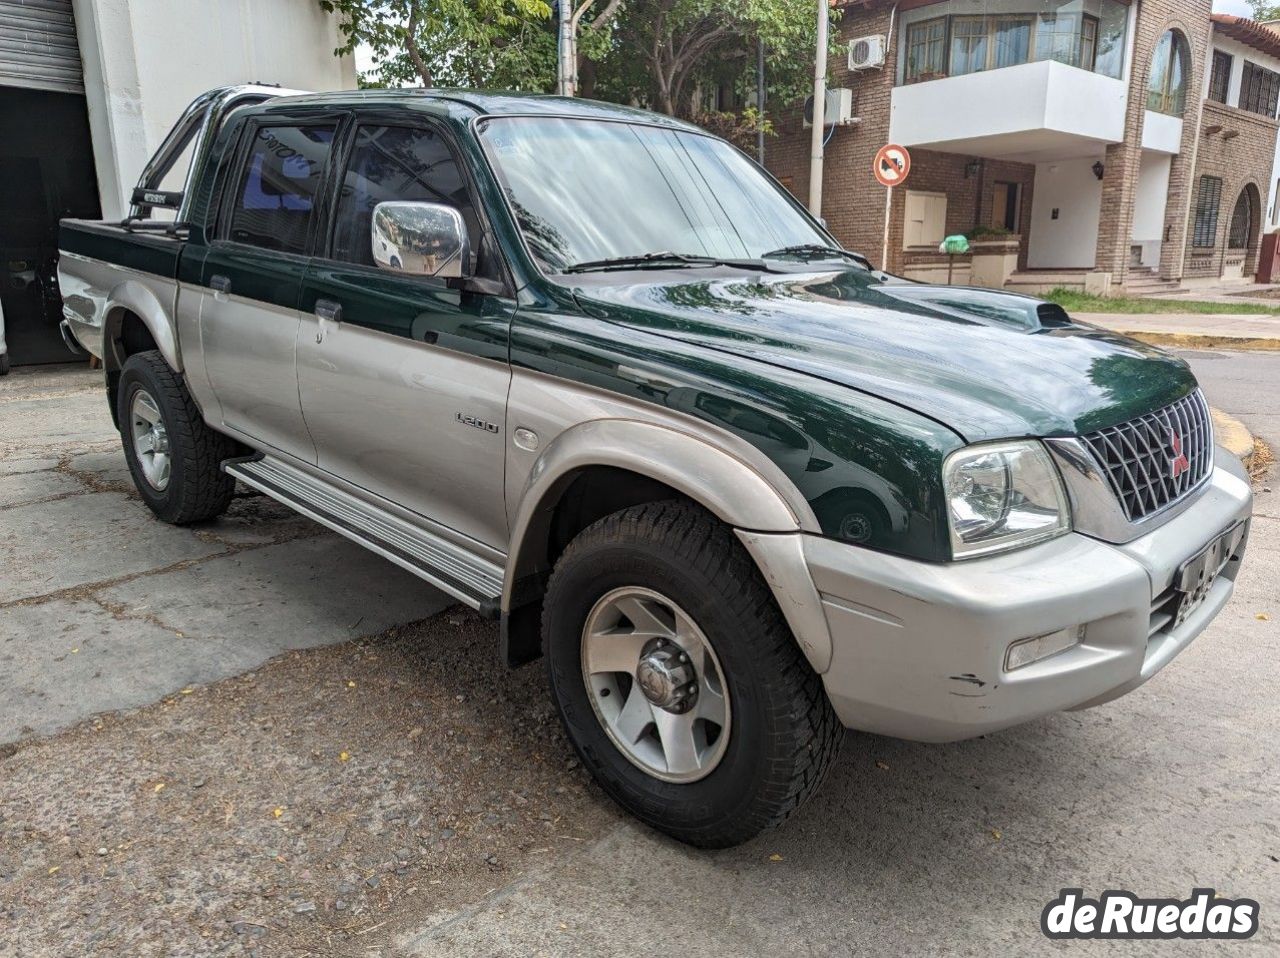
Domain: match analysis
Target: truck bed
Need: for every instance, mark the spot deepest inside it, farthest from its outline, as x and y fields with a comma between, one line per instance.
x=106, y=268
x=148, y=251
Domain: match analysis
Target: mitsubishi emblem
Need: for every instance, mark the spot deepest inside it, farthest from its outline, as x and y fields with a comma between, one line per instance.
x=1179, y=463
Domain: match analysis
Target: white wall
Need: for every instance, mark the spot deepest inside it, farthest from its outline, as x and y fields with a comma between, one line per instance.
x=145, y=60
x=1045, y=95
x=1149, y=205
x=1070, y=241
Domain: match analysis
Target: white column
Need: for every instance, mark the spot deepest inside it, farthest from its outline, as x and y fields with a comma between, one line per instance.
x=113, y=98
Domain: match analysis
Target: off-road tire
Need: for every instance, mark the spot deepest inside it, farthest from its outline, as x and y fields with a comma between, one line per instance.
x=198, y=489
x=784, y=733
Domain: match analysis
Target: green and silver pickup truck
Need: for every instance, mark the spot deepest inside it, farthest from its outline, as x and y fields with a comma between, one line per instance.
x=595, y=374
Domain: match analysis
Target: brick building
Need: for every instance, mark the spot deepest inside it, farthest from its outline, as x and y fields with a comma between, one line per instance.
x=1094, y=144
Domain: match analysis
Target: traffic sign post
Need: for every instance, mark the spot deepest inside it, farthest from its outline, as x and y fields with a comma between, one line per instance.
x=891, y=166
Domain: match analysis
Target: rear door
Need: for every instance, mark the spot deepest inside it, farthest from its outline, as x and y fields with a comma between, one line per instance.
x=405, y=393
x=252, y=275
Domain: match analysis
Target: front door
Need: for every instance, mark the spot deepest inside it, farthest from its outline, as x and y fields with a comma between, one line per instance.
x=251, y=280
x=403, y=379
x=1004, y=206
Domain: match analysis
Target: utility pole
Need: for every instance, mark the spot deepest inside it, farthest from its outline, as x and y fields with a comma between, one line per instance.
x=819, y=112
x=568, y=50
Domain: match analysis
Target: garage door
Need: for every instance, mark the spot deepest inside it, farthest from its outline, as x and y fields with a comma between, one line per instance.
x=38, y=48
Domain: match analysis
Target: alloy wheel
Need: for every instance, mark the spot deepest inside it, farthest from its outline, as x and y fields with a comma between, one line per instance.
x=150, y=440
x=655, y=684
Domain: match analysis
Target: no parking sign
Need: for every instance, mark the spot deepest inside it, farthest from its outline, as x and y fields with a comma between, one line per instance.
x=891, y=165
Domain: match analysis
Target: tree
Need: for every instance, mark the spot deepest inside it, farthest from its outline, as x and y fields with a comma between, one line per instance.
x=679, y=44
x=489, y=43
x=1264, y=10
x=654, y=53
x=592, y=38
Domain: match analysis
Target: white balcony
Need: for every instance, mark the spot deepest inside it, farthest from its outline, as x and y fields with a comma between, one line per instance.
x=1033, y=112
x=1162, y=133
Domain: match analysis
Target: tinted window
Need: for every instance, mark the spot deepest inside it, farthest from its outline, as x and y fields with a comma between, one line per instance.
x=277, y=191
x=391, y=163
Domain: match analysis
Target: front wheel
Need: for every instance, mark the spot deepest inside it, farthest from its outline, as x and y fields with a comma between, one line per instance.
x=678, y=680
x=175, y=458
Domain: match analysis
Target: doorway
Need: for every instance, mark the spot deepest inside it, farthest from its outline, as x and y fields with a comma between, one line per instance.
x=46, y=173
x=1005, y=211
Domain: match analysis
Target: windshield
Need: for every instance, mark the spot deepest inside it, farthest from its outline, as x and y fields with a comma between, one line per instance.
x=586, y=191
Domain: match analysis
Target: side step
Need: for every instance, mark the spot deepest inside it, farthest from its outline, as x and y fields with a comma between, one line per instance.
x=446, y=565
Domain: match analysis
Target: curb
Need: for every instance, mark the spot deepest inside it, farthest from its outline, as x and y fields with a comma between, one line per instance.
x=1202, y=340
x=1230, y=432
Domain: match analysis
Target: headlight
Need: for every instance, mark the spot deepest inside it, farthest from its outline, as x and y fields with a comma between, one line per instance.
x=1002, y=496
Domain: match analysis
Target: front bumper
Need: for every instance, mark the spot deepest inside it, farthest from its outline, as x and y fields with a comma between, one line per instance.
x=918, y=649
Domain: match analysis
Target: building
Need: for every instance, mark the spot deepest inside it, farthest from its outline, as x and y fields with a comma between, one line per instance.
x=89, y=88
x=1092, y=144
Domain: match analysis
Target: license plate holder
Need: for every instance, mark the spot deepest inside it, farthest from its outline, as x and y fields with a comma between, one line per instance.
x=1196, y=576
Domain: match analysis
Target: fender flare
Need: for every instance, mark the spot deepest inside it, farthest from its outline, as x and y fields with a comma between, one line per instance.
x=720, y=482
x=134, y=297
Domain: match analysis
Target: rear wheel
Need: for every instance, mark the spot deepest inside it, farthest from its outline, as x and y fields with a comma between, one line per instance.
x=678, y=680
x=175, y=458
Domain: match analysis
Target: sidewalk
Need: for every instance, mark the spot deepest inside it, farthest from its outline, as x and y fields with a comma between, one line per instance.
x=1190, y=330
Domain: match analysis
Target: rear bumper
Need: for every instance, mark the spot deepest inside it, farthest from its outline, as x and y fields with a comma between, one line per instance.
x=69, y=339
x=918, y=649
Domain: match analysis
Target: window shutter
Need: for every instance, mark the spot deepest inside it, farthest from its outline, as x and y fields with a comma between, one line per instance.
x=38, y=48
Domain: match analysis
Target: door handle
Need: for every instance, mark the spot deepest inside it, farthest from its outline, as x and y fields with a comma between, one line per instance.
x=327, y=311
x=219, y=283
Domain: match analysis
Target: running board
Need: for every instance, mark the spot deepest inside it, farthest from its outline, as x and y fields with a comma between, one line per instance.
x=449, y=567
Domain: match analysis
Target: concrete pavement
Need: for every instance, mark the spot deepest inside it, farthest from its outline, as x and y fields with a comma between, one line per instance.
x=458, y=822
x=1193, y=331
x=103, y=608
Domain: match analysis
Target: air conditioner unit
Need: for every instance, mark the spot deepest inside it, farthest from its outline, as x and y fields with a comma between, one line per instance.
x=839, y=108
x=867, y=53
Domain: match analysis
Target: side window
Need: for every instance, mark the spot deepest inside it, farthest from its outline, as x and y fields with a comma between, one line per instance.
x=396, y=163
x=276, y=194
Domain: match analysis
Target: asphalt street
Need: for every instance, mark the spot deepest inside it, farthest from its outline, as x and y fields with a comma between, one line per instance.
x=1245, y=384
x=315, y=755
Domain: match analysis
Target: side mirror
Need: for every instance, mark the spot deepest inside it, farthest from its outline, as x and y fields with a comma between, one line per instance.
x=421, y=239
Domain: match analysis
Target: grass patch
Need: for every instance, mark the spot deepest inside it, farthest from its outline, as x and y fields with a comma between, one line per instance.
x=1076, y=302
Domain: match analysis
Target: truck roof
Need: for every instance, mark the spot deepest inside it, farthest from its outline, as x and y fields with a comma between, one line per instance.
x=478, y=102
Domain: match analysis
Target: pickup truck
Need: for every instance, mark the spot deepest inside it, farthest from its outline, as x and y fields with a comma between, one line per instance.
x=597, y=375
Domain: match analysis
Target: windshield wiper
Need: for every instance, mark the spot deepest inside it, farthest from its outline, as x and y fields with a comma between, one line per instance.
x=811, y=251
x=662, y=260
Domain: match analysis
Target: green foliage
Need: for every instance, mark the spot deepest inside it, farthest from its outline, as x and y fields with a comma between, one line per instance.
x=490, y=43
x=669, y=49
x=1263, y=10
x=662, y=54
x=989, y=232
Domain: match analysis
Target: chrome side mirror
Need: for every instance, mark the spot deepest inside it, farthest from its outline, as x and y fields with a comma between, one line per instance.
x=421, y=239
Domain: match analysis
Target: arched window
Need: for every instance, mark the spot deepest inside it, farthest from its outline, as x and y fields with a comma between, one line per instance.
x=1170, y=67
x=1241, y=231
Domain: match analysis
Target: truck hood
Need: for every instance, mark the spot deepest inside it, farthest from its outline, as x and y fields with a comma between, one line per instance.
x=988, y=364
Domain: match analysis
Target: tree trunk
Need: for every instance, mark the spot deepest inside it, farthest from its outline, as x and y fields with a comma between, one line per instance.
x=411, y=47
x=586, y=78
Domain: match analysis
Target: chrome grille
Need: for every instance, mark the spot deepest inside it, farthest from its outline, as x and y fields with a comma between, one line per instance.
x=1141, y=457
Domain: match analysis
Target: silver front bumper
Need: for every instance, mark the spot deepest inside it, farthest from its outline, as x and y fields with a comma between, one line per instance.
x=918, y=649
